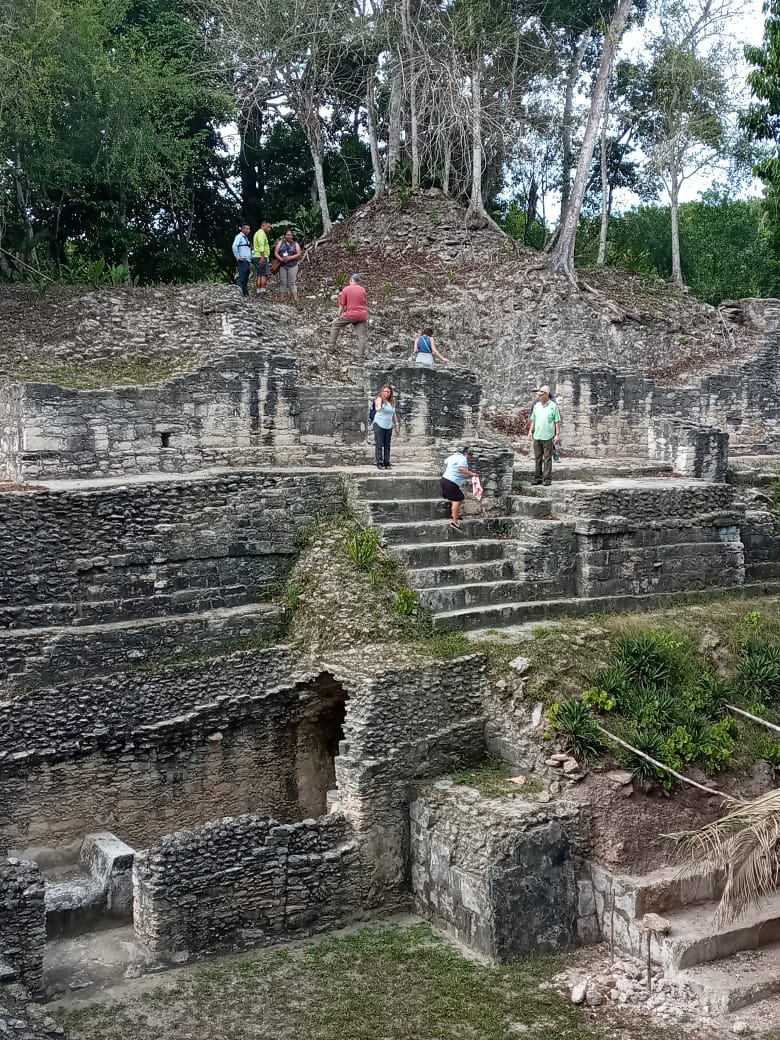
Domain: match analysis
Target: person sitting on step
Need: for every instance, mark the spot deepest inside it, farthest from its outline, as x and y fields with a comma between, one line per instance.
x=425, y=349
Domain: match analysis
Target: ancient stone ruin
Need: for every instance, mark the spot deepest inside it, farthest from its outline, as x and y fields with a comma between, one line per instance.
x=171, y=765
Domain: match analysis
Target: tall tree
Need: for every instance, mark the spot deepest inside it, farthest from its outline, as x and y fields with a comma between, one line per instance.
x=562, y=255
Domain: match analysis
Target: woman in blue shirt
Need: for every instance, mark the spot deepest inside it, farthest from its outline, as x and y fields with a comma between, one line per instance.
x=425, y=349
x=385, y=421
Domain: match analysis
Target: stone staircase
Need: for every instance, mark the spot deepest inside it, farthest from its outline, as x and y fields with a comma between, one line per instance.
x=578, y=547
x=469, y=579
x=726, y=967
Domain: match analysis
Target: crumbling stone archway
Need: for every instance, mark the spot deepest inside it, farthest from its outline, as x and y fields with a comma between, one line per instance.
x=318, y=733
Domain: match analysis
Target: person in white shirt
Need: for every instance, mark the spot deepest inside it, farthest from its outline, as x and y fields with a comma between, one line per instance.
x=456, y=472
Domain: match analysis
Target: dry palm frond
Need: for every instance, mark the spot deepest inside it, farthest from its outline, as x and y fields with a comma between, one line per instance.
x=745, y=845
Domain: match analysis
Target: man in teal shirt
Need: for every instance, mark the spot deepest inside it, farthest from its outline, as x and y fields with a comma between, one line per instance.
x=545, y=431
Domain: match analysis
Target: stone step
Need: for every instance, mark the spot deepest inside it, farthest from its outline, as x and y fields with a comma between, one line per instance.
x=530, y=505
x=442, y=531
x=389, y=486
x=695, y=938
x=499, y=615
x=407, y=510
x=659, y=892
x=461, y=574
x=445, y=554
x=74, y=900
x=463, y=597
x=736, y=982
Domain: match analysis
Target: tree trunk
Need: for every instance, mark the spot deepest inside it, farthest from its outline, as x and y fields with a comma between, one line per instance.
x=252, y=181
x=562, y=256
x=24, y=209
x=376, y=162
x=447, y=173
x=601, y=259
x=568, y=106
x=530, y=208
x=309, y=119
x=394, y=122
x=476, y=203
x=414, y=132
x=674, y=200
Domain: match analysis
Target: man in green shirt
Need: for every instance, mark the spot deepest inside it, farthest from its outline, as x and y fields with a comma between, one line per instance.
x=545, y=431
x=261, y=255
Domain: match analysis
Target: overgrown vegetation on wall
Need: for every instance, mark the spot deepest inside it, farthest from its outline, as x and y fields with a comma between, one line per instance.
x=667, y=697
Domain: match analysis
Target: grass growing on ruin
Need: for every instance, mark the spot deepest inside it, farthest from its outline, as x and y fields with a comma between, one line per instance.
x=493, y=779
x=388, y=983
x=96, y=374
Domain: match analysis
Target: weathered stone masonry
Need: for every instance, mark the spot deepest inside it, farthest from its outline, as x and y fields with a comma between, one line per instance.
x=249, y=881
x=154, y=549
x=22, y=923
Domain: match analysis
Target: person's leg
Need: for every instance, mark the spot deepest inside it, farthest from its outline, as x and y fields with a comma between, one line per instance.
x=547, y=467
x=455, y=512
x=361, y=327
x=538, y=456
x=283, y=275
x=292, y=283
x=386, y=448
x=378, y=446
x=262, y=276
x=336, y=326
x=243, y=277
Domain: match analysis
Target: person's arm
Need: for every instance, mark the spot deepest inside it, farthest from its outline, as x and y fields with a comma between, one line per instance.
x=235, y=247
x=557, y=437
x=276, y=250
x=378, y=402
x=468, y=472
x=396, y=424
x=416, y=345
x=298, y=253
x=342, y=303
x=441, y=357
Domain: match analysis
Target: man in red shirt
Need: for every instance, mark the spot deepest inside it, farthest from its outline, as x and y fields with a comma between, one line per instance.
x=353, y=310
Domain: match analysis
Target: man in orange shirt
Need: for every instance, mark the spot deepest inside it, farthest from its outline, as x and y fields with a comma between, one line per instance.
x=353, y=310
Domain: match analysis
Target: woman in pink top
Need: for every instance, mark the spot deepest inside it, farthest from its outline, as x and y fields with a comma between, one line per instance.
x=353, y=310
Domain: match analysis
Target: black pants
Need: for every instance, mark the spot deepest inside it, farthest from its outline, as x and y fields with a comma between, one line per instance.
x=244, y=268
x=382, y=445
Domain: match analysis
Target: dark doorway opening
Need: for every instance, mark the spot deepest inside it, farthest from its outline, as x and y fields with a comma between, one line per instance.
x=319, y=732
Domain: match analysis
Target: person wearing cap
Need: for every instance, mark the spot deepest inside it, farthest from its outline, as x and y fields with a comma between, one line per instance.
x=545, y=432
x=353, y=310
x=456, y=472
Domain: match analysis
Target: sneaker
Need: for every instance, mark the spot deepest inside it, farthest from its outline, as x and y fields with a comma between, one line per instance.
x=388, y=466
x=379, y=466
x=547, y=483
x=537, y=483
x=456, y=526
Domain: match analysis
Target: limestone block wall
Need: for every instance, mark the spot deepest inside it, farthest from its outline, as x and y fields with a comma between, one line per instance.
x=761, y=539
x=692, y=450
x=498, y=875
x=239, y=410
x=245, y=881
x=434, y=404
x=404, y=726
x=152, y=549
x=31, y=658
x=610, y=412
x=23, y=922
x=140, y=753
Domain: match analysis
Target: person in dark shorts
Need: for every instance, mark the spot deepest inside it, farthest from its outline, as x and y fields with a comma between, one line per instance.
x=456, y=472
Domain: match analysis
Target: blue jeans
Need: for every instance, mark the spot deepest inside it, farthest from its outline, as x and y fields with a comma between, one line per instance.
x=244, y=267
x=382, y=445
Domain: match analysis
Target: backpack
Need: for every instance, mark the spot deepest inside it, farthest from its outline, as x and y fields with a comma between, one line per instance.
x=371, y=410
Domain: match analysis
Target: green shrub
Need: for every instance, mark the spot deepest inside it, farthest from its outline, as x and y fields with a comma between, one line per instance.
x=406, y=601
x=649, y=743
x=757, y=678
x=363, y=547
x=575, y=724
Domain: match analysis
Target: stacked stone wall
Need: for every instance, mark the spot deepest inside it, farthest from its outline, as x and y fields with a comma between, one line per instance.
x=141, y=753
x=498, y=875
x=246, y=881
x=22, y=922
x=154, y=548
